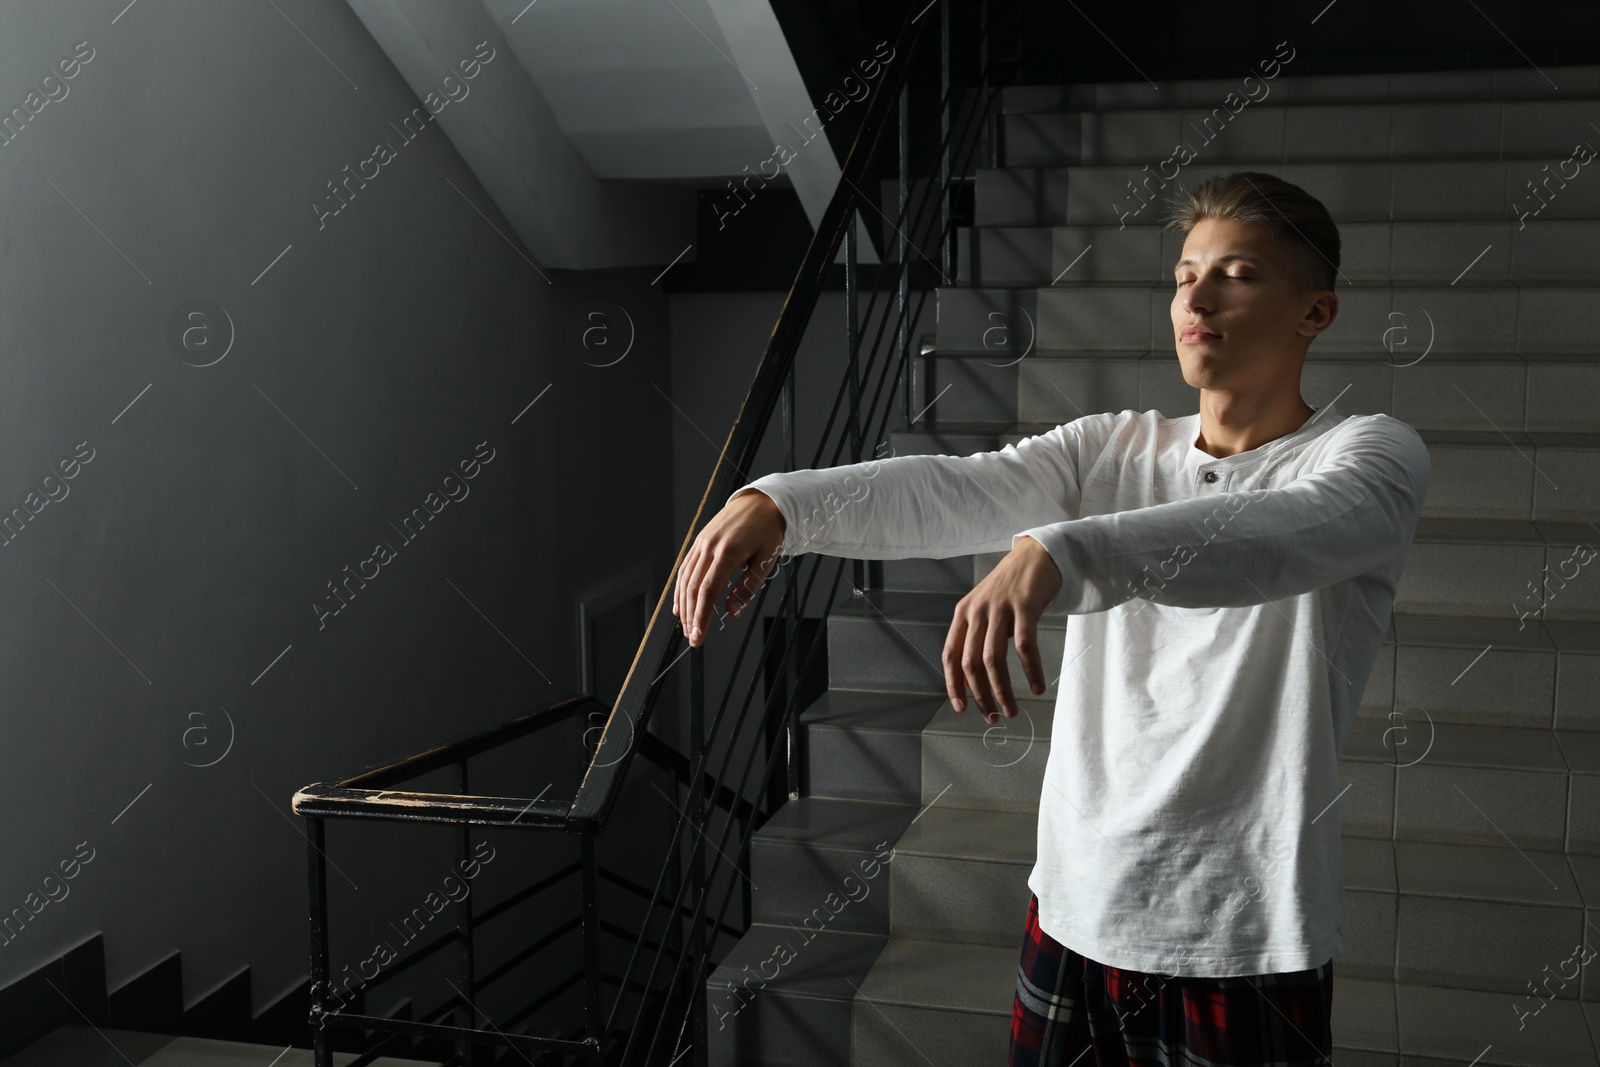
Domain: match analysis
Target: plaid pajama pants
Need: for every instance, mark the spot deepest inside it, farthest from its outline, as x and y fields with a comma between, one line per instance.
x=1073, y=1012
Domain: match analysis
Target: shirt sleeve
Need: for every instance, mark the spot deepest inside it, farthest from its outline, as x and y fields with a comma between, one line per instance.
x=1354, y=513
x=934, y=506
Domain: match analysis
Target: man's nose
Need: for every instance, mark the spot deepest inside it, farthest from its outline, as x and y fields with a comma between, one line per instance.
x=1195, y=296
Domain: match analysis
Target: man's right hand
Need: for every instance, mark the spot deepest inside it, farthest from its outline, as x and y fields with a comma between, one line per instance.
x=746, y=533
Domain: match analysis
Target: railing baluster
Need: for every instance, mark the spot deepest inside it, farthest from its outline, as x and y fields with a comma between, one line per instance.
x=317, y=888
x=995, y=121
x=699, y=950
x=791, y=624
x=948, y=240
x=852, y=340
x=902, y=327
x=466, y=975
x=594, y=1024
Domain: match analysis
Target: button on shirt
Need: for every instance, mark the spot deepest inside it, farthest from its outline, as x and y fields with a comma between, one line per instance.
x=1221, y=629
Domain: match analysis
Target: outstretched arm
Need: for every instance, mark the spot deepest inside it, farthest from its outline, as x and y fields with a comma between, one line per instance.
x=934, y=506
x=1352, y=514
x=894, y=508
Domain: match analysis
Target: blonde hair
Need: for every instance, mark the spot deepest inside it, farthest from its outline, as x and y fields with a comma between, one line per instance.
x=1298, y=220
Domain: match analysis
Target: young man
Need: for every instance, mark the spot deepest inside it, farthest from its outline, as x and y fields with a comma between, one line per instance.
x=1229, y=576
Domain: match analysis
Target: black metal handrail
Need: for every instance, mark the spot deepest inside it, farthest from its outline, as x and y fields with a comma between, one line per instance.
x=661, y=987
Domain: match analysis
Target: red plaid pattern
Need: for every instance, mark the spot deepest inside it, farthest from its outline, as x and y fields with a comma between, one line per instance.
x=1073, y=1012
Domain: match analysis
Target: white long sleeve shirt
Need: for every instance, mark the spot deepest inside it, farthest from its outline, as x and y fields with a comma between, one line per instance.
x=1224, y=615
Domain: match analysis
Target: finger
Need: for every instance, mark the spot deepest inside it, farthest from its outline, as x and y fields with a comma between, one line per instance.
x=685, y=585
x=996, y=663
x=954, y=685
x=977, y=674
x=680, y=586
x=677, y=585
x=713, y=577
x=691, y=589
x=696, y=578
x=1027, y=629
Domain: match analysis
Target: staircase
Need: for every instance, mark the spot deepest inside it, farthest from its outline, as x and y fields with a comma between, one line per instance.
x=1472, y=816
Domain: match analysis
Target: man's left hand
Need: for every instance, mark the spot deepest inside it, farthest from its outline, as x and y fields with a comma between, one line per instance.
x=1006, y=605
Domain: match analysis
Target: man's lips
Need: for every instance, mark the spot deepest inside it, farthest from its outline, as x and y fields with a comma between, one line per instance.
x=1198, y=333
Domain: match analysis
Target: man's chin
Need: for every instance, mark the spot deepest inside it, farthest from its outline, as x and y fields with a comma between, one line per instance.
x=1198, y=375
x=1201, y=360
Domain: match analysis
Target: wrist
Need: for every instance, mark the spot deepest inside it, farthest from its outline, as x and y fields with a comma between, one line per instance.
x=764, y=500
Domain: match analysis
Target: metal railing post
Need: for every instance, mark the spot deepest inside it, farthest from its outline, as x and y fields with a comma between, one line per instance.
x=852, y=340
x=594, y=1024
x=698, y=949
x=994, y=122
x=902, y=331
x=317, y=888
x=944, y=137
x=791, y=625
x=465, y=973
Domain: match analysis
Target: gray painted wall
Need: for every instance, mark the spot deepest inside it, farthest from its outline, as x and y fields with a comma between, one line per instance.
x=176, y=575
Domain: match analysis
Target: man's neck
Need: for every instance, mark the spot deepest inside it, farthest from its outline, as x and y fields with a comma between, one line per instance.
x=1230, y=423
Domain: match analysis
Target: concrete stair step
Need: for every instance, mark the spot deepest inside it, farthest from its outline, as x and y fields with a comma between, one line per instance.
x=820, y=863
x=1443, y=1027
x=936, y=1002
x=1252, y=125
x=867, y=867
x=1414, y=778
x=780, y=999
x=951, y=574
x=969, y=764
x=1441, y=190
x=1480, y=253
x=865, y=745
x=961, y=875
x=1407, y=904
x=1513, y=474
x=1487, y=672
x=917, y=749
x=893, y=640
x=1532, y=392
x=1487, y=567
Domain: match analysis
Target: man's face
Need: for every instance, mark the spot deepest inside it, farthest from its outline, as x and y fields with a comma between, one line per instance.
x=1239, y=319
